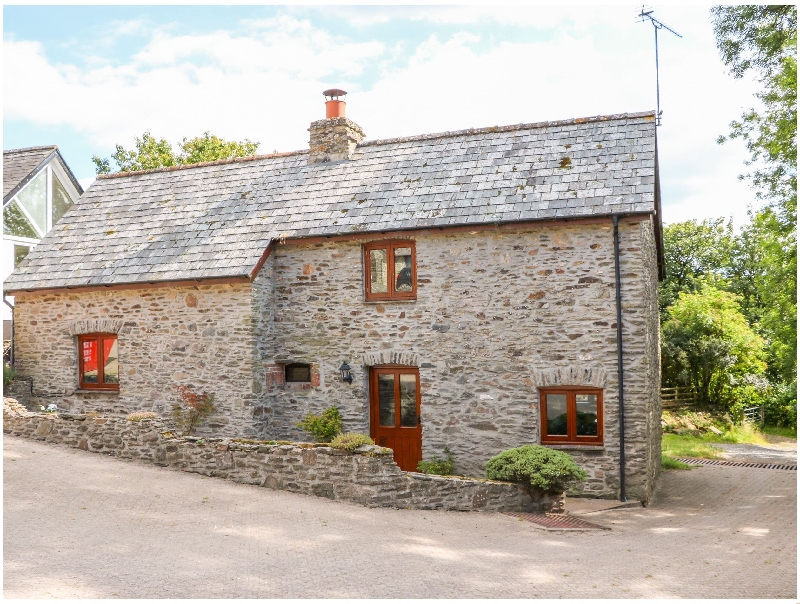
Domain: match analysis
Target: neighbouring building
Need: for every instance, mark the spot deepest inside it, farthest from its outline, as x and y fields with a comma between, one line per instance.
x=38, y=188
x=468, y=280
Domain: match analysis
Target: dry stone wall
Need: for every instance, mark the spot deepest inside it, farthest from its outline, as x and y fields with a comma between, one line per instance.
x=368, y=476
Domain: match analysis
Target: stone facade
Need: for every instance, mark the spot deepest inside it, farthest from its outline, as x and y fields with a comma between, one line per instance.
x=499, y=313
x=200, y=336
x=368, y=476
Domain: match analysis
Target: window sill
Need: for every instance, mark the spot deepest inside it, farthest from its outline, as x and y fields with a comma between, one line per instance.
x=576, y=446
x=94, y=391
x=400, y=300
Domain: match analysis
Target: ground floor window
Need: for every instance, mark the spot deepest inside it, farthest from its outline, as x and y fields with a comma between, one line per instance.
x=572, y=415
x=97, y=361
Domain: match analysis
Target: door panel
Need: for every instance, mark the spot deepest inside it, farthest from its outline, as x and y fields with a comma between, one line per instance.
x=395, y=412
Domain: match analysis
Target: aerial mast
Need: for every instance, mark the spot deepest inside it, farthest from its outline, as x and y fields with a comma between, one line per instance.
x=648, y=14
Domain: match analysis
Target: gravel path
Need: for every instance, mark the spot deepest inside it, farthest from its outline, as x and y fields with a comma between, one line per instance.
x=82, y=525
x=782, y=451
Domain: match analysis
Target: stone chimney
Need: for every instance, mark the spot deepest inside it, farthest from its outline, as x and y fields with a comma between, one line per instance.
x=334, y=138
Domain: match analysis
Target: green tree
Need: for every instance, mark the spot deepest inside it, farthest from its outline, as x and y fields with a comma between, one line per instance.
x=707, y=344
x=150, y=153
x=762, y=40
x=695, y=254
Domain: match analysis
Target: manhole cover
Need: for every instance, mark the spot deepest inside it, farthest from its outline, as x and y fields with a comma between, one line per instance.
x=741, y=464
x=558, y=522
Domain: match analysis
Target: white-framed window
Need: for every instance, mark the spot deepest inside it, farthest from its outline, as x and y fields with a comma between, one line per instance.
x=32, y=212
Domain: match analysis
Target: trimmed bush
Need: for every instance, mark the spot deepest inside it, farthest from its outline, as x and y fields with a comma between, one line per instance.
x=538, y=467
x=351, y=441
x=323, y=428
x=442, y=467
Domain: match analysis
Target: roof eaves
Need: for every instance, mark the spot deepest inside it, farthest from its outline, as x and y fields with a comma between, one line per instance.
x=67, y=169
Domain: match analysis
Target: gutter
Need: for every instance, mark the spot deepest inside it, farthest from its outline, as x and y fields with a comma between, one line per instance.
x=620, y=380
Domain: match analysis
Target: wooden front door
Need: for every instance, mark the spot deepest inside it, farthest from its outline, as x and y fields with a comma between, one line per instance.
x=395, y=415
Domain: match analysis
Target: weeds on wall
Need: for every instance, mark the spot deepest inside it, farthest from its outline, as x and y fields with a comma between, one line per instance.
x=8, y=375
x=441, y=467
x=192, y=410
x=322, y=427
x=351, y=441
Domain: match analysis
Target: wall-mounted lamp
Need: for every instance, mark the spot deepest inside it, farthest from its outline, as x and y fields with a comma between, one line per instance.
x=345, y=370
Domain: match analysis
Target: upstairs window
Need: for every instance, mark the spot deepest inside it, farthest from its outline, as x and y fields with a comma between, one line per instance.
x=390, y=271
x=97, y=361
x=572, y=415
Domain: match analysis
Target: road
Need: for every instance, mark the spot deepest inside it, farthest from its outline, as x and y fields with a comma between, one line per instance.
x=83, y=525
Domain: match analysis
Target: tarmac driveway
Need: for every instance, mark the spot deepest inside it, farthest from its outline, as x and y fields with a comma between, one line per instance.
x=82, y=525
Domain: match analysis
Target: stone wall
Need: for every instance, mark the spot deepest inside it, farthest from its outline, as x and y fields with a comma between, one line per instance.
x=368, y=476
x=198, y=336
x=495, y=312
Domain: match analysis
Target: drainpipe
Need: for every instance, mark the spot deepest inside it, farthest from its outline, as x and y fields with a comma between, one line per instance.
x=11, y=306
x=620, y=381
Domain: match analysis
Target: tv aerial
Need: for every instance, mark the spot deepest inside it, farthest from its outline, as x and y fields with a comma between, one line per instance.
x=645, y=15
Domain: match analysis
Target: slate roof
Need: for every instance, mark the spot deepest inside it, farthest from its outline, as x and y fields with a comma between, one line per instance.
x=215, y=220
x=20, y=165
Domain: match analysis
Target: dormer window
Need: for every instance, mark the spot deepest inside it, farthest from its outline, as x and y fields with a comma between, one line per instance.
x=390, y=271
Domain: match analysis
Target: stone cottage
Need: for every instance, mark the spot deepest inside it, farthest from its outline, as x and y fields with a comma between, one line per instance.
x=460, y=290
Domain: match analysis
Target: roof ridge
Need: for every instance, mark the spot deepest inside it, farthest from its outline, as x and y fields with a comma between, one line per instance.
x=512, y=128
x=387, y=141
x=218, y=162
x=30, y=149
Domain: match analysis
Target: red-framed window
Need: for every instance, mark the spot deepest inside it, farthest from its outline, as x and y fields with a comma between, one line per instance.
x=98, y=366
x=571, y=415
x=390, y=270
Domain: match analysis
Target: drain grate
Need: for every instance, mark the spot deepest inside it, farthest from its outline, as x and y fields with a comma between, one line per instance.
x=741, y=464
x=558, y=522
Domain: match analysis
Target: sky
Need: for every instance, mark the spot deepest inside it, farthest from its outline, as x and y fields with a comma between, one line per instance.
x=87, y=78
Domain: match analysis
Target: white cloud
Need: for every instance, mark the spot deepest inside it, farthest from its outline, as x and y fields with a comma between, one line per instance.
x=265, y=83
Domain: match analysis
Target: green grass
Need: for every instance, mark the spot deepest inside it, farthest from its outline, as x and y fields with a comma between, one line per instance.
x=668, y=463
x=674, y=445
x=744, y=433
x=789, y=432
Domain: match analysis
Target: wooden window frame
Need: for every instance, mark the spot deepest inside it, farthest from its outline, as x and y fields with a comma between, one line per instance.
x=391, y=294
x=571, y=438
x=100, y=338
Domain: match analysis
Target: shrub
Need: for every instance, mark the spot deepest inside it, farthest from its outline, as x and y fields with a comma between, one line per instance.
x=351, y=441
x=323, y=428
x=442, y=467
x=538, y=467
x=195, y=408
x=140, y=415
x=8, y=375
x=780, y=406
